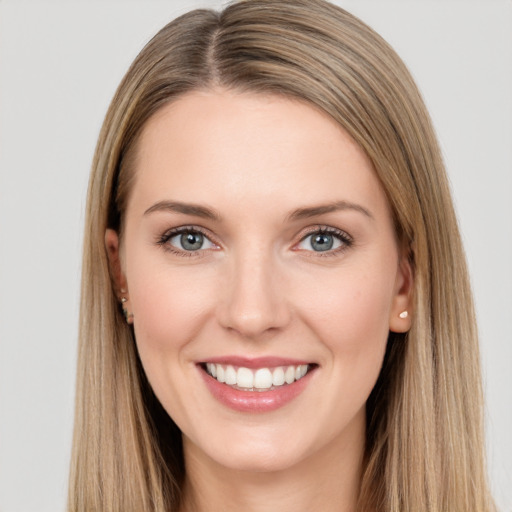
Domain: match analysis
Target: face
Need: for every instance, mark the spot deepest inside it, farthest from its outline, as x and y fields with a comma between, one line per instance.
x=259, y=250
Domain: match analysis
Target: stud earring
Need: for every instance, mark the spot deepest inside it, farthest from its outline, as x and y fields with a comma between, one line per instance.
x=404, y=314
x=128, y=316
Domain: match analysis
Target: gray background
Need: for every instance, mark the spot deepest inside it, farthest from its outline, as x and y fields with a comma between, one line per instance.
x=60, y=62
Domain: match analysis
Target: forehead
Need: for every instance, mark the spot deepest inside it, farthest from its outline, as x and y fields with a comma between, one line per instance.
x=223, y=145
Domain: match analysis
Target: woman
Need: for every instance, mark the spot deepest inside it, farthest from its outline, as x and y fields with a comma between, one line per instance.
x=275, y=309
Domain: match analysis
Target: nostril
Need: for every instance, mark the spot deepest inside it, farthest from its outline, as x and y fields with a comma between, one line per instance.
x=252, y=303
x=260, y=321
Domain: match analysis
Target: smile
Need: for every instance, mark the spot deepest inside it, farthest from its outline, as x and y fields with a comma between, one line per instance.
x=256, y=385
x=257, y=379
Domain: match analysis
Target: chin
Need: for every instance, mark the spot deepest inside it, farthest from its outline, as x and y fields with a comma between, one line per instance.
x=260, y=462
x=263, y=454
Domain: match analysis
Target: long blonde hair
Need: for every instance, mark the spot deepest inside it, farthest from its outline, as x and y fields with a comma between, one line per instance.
x=424, y=445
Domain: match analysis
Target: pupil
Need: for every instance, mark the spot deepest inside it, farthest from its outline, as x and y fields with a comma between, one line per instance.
x=322, y=242
x=191, y=241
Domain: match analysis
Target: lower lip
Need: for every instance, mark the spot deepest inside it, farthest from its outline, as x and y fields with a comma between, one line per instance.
x=255, y=401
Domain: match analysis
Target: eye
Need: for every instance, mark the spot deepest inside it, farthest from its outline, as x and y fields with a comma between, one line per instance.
x=186, y=240
x=324, y=240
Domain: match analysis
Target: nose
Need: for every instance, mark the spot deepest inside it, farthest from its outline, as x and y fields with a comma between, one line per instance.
x=253, y=299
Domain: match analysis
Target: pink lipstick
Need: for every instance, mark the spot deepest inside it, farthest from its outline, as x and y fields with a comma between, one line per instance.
x=255, y=385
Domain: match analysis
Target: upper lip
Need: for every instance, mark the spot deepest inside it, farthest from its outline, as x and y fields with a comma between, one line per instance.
x=256, y=362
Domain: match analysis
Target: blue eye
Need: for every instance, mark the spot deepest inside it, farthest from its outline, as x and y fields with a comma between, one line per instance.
x=323, y=241
x=188, y=240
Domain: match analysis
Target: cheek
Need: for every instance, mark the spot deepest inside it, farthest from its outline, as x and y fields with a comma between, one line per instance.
x=350, y=314
x=350, y=317
x=170, y=305
x=352, y=301
x=170, y=308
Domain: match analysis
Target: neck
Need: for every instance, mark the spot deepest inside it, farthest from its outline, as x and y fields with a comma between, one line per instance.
x=327, y=480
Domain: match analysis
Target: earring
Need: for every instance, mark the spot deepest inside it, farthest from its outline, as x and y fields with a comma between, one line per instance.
x=128, y=316
x=404, y=314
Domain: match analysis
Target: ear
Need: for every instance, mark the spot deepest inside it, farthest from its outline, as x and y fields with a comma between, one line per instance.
x=400, y=318
x=114, y=258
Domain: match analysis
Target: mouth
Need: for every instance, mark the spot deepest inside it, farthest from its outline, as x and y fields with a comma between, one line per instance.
x=256, y=379
x=256, y=386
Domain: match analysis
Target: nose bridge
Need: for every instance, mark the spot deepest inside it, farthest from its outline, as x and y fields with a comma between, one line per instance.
x=254, y=302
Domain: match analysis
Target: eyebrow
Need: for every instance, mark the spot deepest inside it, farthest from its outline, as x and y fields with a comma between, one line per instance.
x=185, y=208
x=298, y=214
x=314, y=211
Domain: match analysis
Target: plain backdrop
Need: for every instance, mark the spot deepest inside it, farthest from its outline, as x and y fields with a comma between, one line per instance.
x=60, y=62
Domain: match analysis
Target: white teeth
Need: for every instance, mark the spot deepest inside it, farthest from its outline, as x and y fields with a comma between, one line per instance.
x=260, y=379
x=212, y=369
x=230, y=375
x=278, y=377
x=289, y=374
x=244, y=378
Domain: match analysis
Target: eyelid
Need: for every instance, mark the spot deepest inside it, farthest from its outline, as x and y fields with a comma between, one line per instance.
x=163, y=240
x=346, y=240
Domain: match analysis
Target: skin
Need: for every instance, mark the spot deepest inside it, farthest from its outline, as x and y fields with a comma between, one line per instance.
x=259, y=288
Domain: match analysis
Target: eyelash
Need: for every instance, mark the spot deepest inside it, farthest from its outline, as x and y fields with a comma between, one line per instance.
x=168, y=235
x=343, y=237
